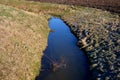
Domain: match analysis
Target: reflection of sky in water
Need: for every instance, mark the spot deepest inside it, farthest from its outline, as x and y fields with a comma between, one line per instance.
x=61, y=43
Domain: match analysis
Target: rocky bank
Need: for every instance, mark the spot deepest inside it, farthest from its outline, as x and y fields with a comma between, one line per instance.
x=99, y=37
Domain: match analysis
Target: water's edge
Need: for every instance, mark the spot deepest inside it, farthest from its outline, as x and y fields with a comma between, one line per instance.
x=47, y=56
x=97, y=61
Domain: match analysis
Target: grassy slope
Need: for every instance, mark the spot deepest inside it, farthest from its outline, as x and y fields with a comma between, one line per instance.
x=36, y=7
x=23, y=37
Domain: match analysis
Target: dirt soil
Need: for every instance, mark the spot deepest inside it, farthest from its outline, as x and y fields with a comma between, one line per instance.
x=110, y=5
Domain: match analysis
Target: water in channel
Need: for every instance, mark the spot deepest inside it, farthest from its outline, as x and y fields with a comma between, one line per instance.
x=63, y=60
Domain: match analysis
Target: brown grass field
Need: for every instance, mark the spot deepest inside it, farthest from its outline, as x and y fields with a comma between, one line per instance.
x=110, y=5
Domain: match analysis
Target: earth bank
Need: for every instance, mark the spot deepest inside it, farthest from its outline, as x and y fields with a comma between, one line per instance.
x=98, y=33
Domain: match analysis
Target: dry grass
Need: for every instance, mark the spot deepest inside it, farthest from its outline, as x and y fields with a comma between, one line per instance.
x=110, y=5
x=23, y=37
x=36, y=7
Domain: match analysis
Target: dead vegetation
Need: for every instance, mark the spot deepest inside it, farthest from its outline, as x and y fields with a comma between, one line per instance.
x=36, y=7
x=55, y=65
x=110, y=5
x=23, y=37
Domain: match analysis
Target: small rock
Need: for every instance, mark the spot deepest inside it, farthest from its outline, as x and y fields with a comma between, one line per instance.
x=94, y=65
x=107, y=78
x=98, y=79
x=111, y=67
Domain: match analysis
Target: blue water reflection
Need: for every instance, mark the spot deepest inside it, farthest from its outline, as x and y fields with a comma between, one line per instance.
x=62, y=50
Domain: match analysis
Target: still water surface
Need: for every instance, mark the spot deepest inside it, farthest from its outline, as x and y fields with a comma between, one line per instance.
x=62, y=59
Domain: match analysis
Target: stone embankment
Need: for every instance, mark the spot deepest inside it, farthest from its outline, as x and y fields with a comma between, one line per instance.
x=101, y=44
